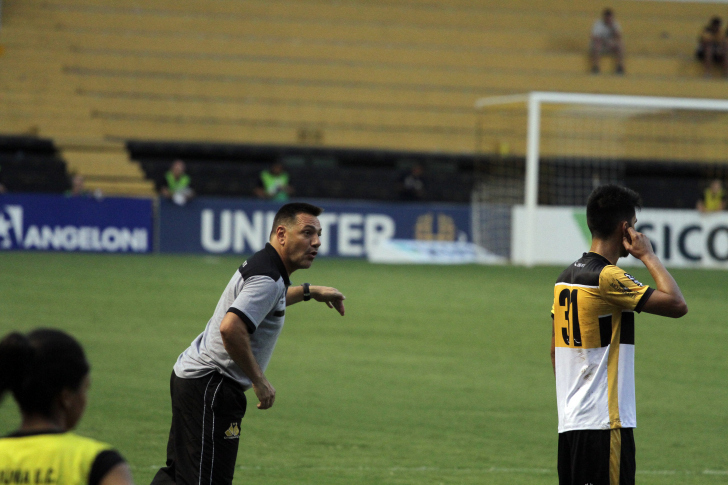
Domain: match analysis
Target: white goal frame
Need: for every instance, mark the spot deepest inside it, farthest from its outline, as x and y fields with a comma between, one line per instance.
x=534, y=102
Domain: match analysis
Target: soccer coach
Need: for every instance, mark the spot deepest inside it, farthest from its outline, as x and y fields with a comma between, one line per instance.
x=210, y=378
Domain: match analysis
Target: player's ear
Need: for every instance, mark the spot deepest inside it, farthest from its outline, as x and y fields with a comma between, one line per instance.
x=625, y=230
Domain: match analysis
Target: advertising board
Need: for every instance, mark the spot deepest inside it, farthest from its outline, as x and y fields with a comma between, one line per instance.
x=58, y=223
x=681, y=238
x=349, y=229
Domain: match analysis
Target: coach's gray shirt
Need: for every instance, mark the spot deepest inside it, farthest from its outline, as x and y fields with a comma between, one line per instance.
x=257, y=294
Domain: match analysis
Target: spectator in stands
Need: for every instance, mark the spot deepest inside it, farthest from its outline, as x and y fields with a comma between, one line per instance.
x=78, y=188
x=412, y=184
x=274, y=184
x=177, y=184
x=712, y=46
x=2, y=187
x=714, y=198
x=606, y=38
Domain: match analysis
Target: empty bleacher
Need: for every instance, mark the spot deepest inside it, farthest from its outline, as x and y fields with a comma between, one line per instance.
x=31, y=164
x=382, y=75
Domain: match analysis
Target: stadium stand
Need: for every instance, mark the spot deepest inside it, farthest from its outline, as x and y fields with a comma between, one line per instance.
x=31, y=164
x=382, y=75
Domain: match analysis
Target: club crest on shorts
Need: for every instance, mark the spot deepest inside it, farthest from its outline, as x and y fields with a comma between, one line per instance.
x=233, y=432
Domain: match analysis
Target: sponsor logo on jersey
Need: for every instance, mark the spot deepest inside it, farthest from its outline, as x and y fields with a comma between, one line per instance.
x=233, y=432
x=634, y=280
x=621, y=288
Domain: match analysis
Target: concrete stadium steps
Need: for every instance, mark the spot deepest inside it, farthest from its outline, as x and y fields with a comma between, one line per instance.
x=108, y=169
x=647, y=19
x=334, y=134
x=388, y=78
x=335, y=55
x=397, y=74
x=576, y=40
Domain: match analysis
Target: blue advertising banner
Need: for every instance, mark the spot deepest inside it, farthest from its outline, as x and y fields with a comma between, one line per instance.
x=59, y=223
x=349, y=229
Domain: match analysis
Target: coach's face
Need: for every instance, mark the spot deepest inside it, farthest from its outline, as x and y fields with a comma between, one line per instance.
x=301, y=242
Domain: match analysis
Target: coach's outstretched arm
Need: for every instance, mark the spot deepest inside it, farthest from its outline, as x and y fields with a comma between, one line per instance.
x=667, y=299
x=325, y=294
x=236, y=340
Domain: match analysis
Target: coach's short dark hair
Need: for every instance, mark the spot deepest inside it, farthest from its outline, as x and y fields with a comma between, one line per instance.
x=286, y=215
x=608, y=206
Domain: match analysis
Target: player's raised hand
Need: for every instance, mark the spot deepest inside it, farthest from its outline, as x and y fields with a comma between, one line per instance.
x=265, y=392
x=331, y=296
x=637, y=244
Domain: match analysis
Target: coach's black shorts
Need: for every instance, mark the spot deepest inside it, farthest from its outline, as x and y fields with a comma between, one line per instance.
x=205, y=432
x=597, y=457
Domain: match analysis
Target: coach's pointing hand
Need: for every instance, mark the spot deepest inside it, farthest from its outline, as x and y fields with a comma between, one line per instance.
x=265, y=392
x=331, y=296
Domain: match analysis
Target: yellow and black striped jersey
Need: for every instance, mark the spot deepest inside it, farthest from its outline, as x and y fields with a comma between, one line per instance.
x=54, y=457
x=593, y=317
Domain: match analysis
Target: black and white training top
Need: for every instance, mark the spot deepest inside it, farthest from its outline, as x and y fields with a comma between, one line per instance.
x=257, y=294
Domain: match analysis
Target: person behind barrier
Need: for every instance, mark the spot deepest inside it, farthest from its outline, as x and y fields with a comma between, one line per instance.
x=714, y=198
x=48, y=375
x=177, y=185
x=274, y=184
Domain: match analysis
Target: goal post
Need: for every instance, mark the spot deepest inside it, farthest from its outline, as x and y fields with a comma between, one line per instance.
x=552, y=148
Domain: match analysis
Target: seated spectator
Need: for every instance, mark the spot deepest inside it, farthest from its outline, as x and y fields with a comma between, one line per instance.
x=48, y=375
x=606, y=38
x=714, y=198
x=78, y=188
x=274, y=184
x=177, y=184
x=412, y=185
x=712, y=47
x=2, y=187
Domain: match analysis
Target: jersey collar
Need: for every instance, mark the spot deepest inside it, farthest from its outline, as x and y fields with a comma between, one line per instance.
x=276, y=258
x=35, y=432
x=597, y=256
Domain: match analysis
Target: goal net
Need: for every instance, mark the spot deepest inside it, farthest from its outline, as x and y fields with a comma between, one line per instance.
x=552, y=149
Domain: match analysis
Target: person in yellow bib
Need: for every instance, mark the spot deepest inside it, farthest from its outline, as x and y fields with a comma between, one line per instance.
x=48, y=375
x=713, y=198
x=177, y=185
x=274, y=184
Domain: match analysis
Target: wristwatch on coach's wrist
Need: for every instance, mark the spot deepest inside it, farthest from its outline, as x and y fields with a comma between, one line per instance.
x=306, y=292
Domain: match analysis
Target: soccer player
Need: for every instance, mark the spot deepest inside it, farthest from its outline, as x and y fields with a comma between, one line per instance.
x=592, y=342
x=47, y=373
x=230, y=356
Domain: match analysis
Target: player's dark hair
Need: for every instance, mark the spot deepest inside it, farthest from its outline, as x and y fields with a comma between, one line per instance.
x=286, y=215
x=608, y=206
x=36, y=367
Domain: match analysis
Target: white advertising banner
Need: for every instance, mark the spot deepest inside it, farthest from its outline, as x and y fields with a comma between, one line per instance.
x=681, y=238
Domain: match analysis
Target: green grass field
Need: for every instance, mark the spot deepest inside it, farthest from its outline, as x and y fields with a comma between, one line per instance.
x=435, y=374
